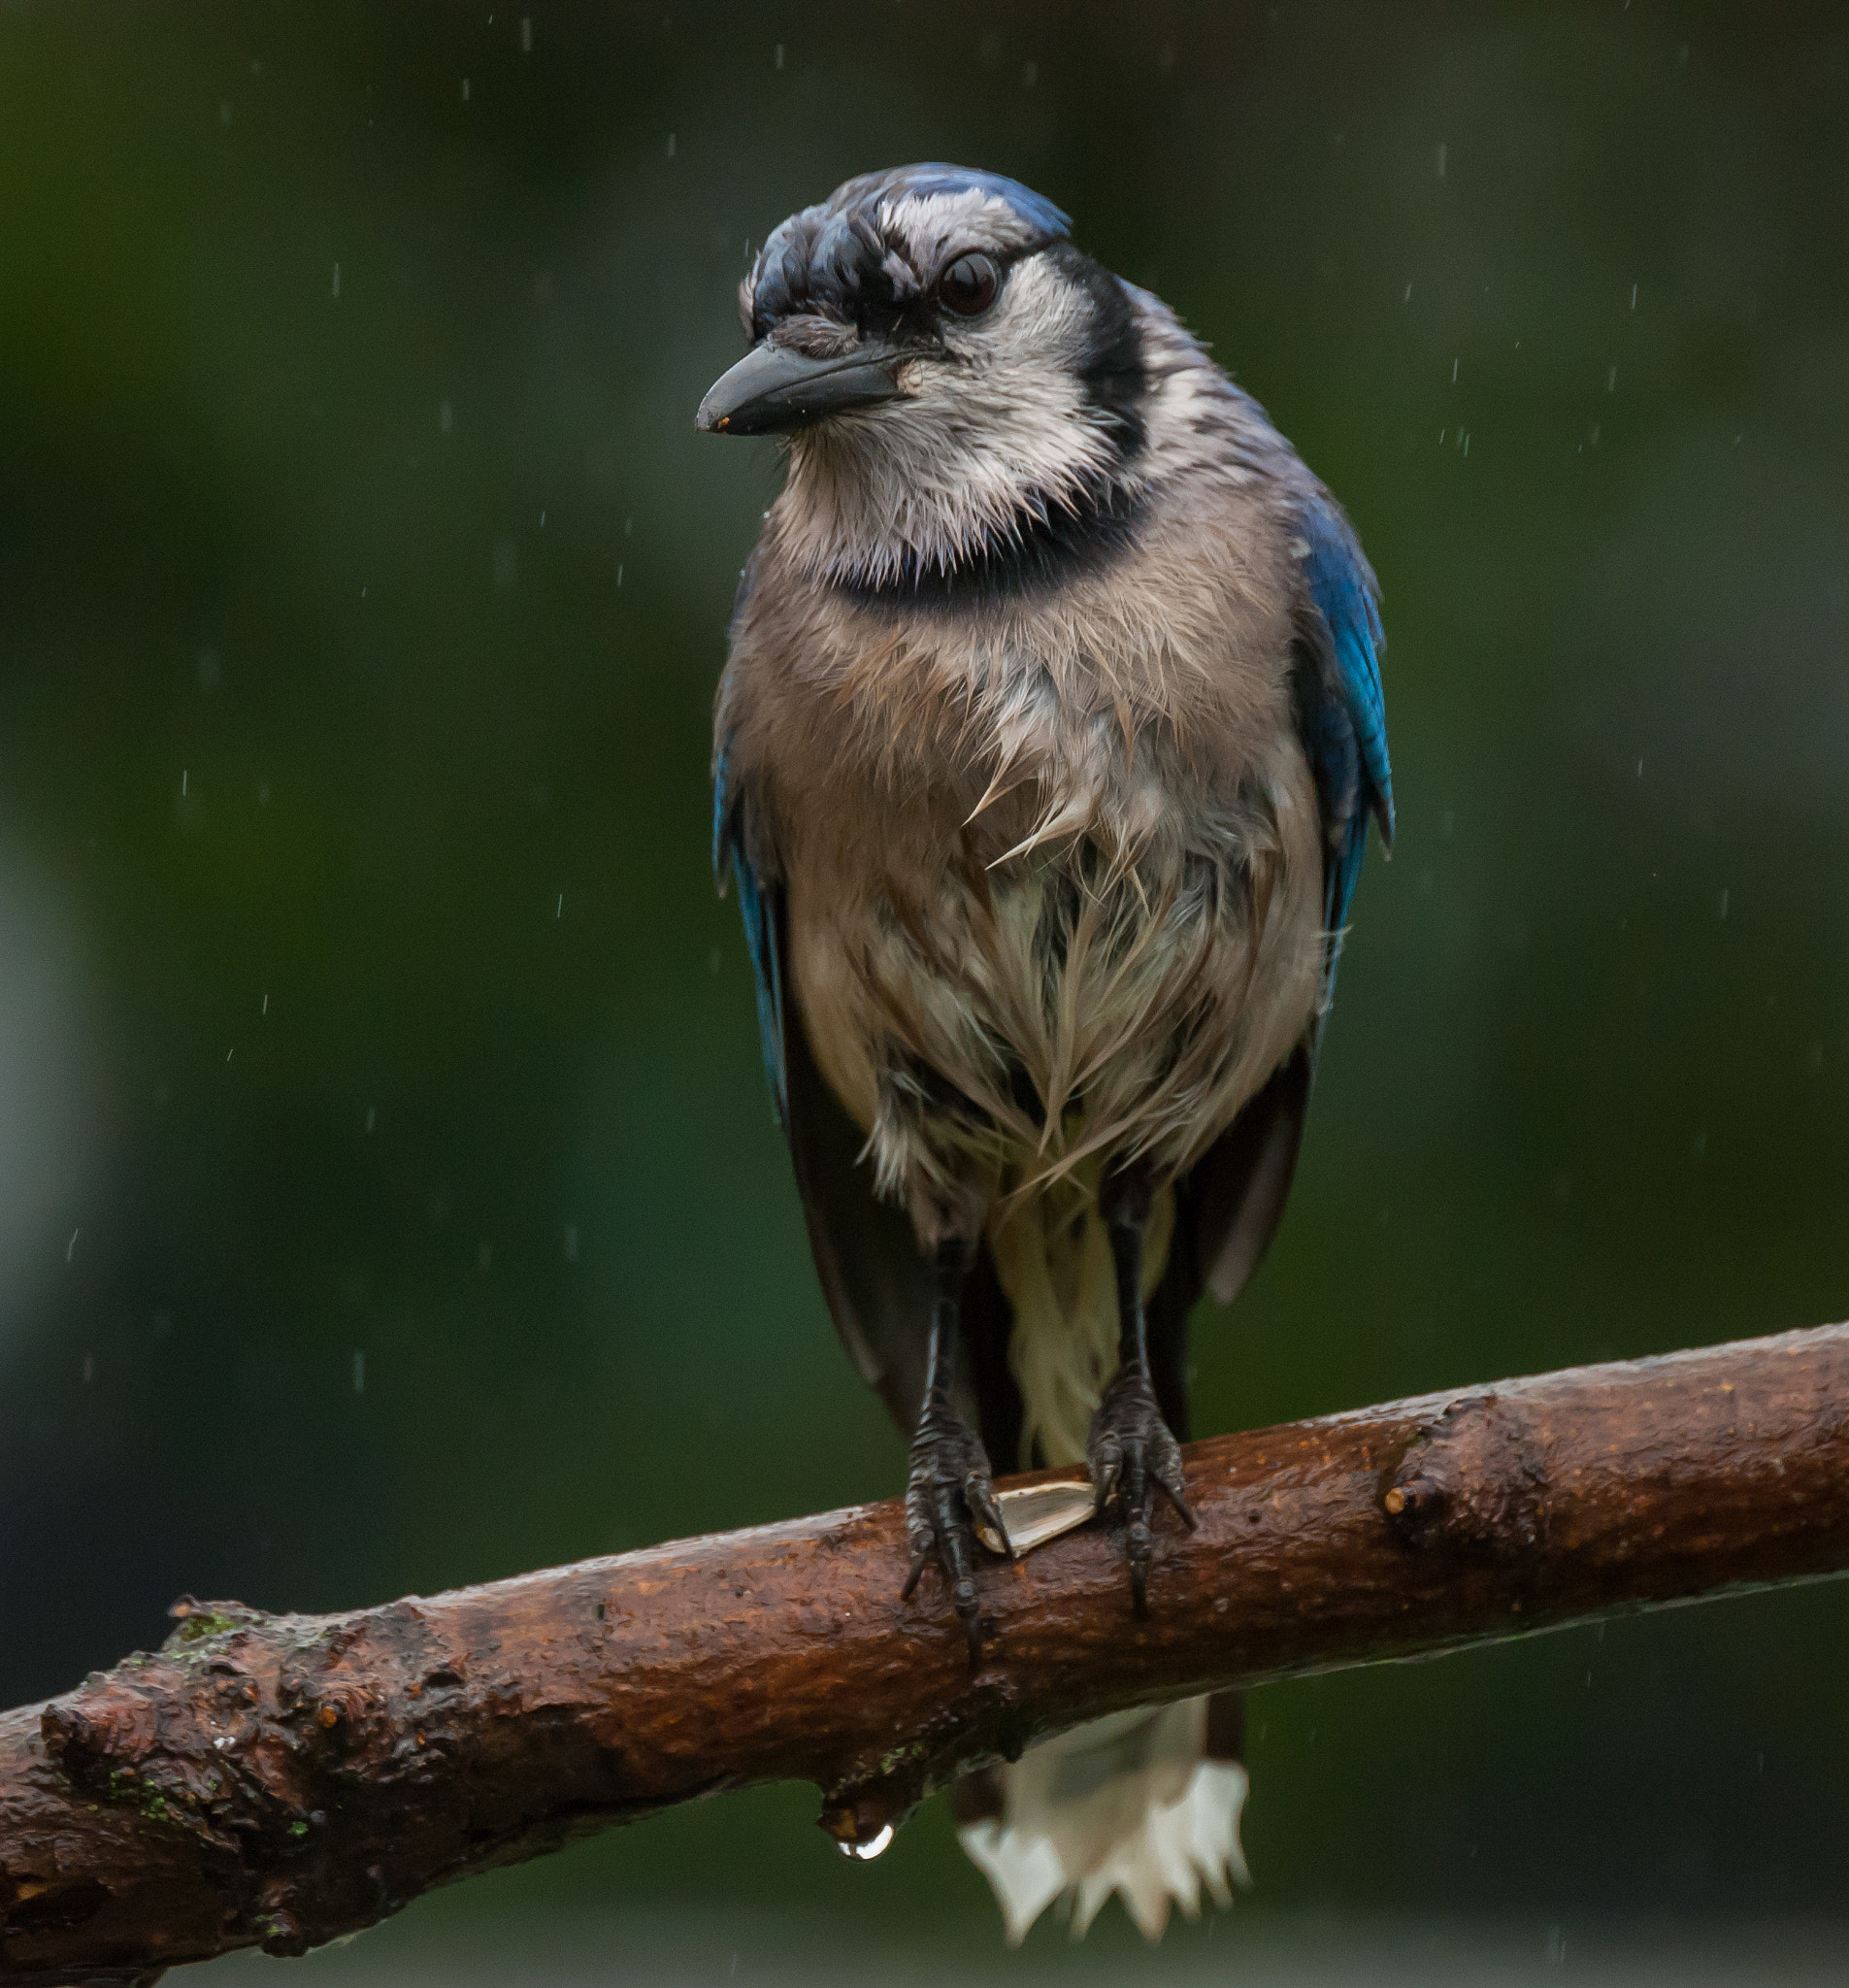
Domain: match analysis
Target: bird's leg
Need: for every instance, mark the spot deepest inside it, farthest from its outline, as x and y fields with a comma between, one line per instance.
x=951, y=1484
x=1131, y=1447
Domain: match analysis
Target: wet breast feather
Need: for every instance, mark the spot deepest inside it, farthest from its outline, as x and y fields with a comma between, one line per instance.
x=1053, y=946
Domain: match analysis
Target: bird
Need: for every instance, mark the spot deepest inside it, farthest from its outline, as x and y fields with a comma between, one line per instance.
x=1045, y=752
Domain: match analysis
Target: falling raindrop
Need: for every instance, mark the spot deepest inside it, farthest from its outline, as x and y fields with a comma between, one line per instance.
x=873, y=1846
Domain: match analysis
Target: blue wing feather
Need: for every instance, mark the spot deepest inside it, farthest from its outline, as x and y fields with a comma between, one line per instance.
x=1345, y=733
x=757, y=905
x=757, y=900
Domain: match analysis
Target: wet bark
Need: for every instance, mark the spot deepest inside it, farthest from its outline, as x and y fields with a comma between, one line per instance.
x=278, y=1781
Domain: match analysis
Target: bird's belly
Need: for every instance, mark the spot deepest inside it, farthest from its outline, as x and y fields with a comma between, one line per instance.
x=1008, y=1025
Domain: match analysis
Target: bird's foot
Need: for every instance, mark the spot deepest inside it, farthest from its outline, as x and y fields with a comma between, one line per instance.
x=949, y=1489
x=1129, y=1451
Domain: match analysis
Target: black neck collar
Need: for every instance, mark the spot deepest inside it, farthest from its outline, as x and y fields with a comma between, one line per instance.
x=1045, y=547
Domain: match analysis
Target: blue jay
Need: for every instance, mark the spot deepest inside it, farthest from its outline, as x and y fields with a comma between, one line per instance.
x=1043, y=761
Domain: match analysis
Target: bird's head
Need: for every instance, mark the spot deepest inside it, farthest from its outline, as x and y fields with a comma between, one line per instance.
x=948, y=369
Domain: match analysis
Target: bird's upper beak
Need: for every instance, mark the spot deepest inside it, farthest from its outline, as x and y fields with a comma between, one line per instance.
x=773, y=389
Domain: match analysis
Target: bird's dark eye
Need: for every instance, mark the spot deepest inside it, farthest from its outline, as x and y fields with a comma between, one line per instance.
x=969, y=285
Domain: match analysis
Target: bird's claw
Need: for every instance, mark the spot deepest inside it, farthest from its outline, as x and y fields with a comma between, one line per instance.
x=949, y=1489
x=1129, y=1450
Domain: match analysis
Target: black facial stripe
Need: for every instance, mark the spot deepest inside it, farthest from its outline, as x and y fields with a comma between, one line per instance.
x=1111, y=363
x=863, y=292
x=1051, y=547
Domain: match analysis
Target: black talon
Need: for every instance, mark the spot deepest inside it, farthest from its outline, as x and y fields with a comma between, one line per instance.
x=951, y=1484
x=1130, y=1448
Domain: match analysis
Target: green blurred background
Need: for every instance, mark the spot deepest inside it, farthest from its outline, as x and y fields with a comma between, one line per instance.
x=388, y=1198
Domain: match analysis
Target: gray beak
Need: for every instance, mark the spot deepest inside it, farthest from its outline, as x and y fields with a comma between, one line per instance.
x=773, y=389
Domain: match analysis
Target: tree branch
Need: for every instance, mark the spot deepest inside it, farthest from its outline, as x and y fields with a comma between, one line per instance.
x=279, y=1781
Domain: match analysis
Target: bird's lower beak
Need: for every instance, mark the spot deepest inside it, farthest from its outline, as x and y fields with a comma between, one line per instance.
x=773, y=389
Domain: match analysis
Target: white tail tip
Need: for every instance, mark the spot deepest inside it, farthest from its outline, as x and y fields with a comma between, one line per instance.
x=1126, y=1805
